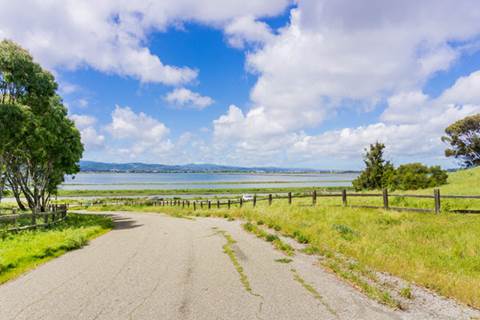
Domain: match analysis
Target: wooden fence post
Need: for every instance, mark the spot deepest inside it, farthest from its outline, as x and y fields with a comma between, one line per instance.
x=228, y=203
x=314, y=197
x=209, y=204
x=254, y=200
x=241, y=202
x=218, y=204
x=194, y=205
x=201, y=204
x=385, y=199
x=344, y=197
x=436, y=195
x=289, y=198
x=270, y=199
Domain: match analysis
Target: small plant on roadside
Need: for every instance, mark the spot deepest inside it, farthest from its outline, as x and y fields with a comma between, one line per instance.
x=406, y=293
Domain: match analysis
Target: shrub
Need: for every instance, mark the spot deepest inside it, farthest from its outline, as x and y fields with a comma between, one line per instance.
x=414, y=176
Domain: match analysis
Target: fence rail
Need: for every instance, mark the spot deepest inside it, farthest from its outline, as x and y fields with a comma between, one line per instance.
x=14, y=221
x=314, y=195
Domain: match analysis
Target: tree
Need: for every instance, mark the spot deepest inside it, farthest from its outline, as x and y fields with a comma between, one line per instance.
x=464, y=139
x=414, y=176
x=44, y=144
x=377, y=172
x=13, y=126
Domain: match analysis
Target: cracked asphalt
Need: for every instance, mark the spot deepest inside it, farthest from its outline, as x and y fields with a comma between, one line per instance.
x=153, y=266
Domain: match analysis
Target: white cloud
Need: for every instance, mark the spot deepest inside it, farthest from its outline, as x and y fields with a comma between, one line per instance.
x=246, y=29
x=182, y=97
x=338, y=55
x=138, y=133
x=110, y=35
x=465, y=90
x=91, y=139
x=83, y=121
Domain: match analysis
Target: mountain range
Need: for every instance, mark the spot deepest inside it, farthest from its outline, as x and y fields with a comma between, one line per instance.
x=93, y=166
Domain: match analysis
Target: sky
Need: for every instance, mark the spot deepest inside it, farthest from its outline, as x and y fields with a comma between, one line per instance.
x=291, y=83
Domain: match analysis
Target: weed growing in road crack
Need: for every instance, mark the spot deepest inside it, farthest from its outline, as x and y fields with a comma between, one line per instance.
x=312, y=291
x=283, y=260
x=228, y=250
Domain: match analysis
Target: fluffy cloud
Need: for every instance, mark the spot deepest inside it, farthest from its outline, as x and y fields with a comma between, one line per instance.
x=91, y=139
x=185, y=98
x=110, y=36
x=246, y=29
x=413, y=124
x=335, y=51
x=338, y=54
x=137, y=133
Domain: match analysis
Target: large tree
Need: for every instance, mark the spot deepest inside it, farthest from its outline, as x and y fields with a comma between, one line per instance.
x=464, y=139
x=43, y=144
x=377, y=172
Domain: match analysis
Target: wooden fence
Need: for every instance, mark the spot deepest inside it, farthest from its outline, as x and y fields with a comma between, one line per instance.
x=314, y=195
x=20, y=220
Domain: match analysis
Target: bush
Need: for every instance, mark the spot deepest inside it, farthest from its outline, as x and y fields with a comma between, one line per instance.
x=414, y=176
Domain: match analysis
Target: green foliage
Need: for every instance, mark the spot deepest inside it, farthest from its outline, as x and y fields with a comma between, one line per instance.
x=464, y=139
x=38, y=143
x=377, y=171
x=379, y=174
x=415, y=176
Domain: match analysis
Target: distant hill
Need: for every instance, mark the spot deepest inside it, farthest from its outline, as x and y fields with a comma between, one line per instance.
x=92, y=166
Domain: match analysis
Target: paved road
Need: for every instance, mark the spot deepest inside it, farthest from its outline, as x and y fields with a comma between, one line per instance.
x=156, y=267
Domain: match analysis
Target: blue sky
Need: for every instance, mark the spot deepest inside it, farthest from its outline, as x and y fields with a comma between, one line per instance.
x=288, y=83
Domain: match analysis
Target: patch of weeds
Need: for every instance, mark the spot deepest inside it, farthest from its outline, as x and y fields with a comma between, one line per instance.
x=283, y=260
x=274, y=239
x=284, y=247
x=406, y=293
x=312, y=291
x=260, y=222
x=300, y=237
x=311, y=250
x=345, y=232
x=271, y=237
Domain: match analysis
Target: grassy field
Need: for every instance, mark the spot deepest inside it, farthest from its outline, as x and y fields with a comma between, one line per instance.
x=439, y=252
x=25, y=250
x=199, y=191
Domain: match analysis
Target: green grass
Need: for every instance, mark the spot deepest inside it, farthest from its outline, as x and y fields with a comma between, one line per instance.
x=199, y=191
x=439, y=252
x=23, y=251
x=269, y=237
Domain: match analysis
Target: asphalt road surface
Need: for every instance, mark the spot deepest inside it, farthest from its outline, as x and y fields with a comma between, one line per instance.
x=153, y=266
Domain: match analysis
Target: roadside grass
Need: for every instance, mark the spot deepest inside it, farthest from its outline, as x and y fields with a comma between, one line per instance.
x=23, y=251
x=439, y=252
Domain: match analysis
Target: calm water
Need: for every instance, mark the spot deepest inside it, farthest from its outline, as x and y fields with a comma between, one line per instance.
x=129, y=181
